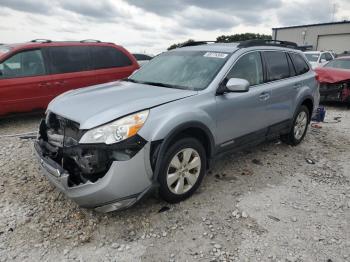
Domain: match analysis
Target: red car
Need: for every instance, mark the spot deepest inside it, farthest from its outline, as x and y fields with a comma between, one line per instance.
x=334, y=78
x=32, y=74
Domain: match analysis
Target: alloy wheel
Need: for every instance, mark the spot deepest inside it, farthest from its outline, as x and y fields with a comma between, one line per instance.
x=300, y=125
x=183, y=171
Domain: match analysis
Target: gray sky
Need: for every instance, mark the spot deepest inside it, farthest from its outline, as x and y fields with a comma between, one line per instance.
x=152, y=25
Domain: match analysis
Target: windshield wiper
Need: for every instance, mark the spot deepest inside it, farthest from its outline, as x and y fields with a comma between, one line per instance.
x=154, y=83
x=162, y=85
x=130, y=80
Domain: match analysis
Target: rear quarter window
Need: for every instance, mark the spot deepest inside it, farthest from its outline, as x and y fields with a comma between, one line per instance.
x=300, y=65
x=276, y=65
x=108, y=57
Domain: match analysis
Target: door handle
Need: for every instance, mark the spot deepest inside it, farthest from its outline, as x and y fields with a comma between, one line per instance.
x=264, y=96
x=59, y=83
x=297, y=85
x=46, y=84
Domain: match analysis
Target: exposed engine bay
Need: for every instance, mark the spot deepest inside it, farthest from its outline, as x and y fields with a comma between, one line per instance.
x=59, y=141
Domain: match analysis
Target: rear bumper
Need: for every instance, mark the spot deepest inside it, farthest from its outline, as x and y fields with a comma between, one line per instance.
x=122, y=186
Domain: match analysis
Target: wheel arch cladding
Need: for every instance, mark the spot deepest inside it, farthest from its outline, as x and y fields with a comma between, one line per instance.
x=310, y=106
x=196, y=130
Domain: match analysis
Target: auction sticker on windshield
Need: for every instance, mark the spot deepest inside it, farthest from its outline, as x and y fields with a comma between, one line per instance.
x=215, y=55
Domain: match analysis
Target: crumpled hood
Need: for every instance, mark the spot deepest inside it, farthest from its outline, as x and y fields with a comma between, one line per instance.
x=97, y=105
x=332, y=75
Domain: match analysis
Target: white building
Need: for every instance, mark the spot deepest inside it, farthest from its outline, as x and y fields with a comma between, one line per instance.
x=327, y=36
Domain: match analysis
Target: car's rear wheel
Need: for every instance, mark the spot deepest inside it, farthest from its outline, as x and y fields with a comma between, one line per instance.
x=299, y=127
x=182, y=170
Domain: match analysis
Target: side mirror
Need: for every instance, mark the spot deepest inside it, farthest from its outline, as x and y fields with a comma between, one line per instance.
x=323, y=60
x=237, y=85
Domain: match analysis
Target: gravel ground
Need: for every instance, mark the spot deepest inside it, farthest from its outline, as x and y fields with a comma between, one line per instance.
x=264, y=204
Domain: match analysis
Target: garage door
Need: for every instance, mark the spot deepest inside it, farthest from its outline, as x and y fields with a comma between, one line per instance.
x=337, y=43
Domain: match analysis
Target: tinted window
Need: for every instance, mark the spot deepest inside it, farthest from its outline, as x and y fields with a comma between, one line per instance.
x=323, y=56
x=69, y=59
x=108, y=57
x=329, y=57
x=300, y=65
x=276, y=65
x=248, y=67
x=28, y=63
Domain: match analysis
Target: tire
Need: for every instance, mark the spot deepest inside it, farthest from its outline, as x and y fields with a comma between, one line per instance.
x=178, y=180
x=294, y=137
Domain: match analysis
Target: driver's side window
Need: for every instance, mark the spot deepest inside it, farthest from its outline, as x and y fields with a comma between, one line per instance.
x=24, y=64
x=248, y=67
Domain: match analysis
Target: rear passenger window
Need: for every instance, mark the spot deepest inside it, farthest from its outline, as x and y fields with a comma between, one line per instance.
x=69, y=59
x=248, y=67
x=108, y=57
x=276, y=65
x=300, y=65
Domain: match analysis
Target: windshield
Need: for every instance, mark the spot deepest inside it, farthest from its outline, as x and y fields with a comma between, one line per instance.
x=312, y=57
x=192, y=70
x=339, y=63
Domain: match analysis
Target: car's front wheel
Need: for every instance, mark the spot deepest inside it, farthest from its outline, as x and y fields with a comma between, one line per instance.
x=299, y=127
x=182, y=170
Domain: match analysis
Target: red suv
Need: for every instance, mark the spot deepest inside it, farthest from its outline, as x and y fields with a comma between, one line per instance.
x=32, y=74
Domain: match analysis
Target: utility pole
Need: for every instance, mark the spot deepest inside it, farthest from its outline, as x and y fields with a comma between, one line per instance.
x=335, y=7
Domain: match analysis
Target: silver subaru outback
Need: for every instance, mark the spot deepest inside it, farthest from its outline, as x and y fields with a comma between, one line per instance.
x=107, y=146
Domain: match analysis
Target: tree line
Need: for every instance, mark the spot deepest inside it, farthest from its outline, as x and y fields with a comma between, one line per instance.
x=228, y=39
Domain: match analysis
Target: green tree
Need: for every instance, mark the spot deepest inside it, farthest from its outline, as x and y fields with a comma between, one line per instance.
x=173, y=46
x=241, y=37
x=229, y=39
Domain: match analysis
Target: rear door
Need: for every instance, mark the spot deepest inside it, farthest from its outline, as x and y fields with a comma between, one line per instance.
x=70, y=68
x=283, y=85
x=24, y=82
x=110, y=63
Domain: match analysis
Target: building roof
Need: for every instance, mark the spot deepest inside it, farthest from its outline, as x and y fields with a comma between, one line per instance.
x=310, y=25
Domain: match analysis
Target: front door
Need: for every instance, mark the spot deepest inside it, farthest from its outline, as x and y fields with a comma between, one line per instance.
x=241, y=117
x=24, y=84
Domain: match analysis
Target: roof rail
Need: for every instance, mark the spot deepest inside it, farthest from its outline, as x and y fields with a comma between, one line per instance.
x=41, y=41
x=267, y=42
x=90, y=41
x=194, y=43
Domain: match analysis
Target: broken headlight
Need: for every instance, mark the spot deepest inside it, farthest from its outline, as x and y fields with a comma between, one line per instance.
x=116, y=131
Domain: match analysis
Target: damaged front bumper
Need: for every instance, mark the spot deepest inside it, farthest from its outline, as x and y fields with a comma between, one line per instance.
x=118, y=183
x=337, y=92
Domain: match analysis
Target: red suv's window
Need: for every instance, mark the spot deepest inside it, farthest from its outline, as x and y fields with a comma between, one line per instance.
x=108, y=57
x=69, y=59
x=23, y=64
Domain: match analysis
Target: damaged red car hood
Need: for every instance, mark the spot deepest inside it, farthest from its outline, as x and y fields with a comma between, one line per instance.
x=332, y=75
